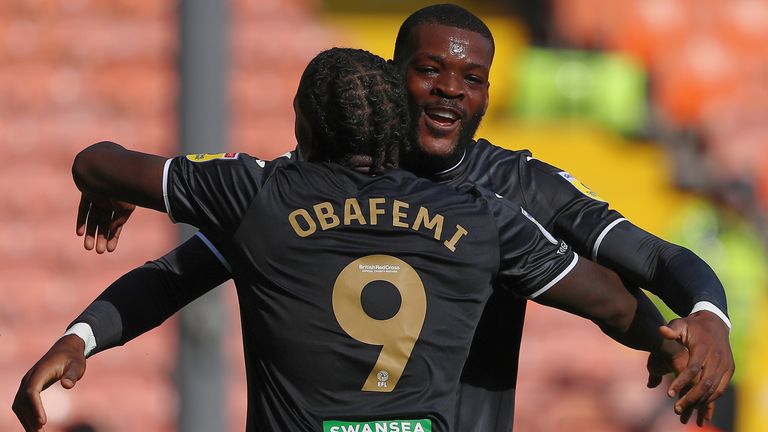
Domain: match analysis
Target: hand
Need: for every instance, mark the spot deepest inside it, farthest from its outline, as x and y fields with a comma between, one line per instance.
x=675, y=360
x=101, y=220
x=710, y=364
x=65, y=361
x=672, y=358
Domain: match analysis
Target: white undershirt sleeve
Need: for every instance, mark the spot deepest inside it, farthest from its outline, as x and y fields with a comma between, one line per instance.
x=707, y=306
x=84, y=332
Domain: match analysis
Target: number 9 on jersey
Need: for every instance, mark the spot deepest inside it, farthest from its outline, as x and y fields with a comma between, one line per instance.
x=396, y=335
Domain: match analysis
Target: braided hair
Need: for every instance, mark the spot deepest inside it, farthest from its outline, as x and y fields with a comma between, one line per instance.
x=356, y=105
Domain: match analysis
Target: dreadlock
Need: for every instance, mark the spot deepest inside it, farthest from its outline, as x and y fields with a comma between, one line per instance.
x=441, y=14
x=356, y=105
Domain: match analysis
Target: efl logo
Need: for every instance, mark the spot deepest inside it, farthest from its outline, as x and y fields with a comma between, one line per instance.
x=581, y=187
x=205, y=157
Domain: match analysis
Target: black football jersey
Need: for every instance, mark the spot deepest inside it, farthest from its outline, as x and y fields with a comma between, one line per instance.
x=567, y=209
x=359, y=296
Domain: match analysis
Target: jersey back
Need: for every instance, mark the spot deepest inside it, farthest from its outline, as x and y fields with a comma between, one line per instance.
x=359, y=295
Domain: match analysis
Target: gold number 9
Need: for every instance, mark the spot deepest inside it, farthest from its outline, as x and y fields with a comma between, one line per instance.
x=398, y=334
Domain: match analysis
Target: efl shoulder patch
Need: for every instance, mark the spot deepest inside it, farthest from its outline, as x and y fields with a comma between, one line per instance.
x=205, y=157
x=580, y=186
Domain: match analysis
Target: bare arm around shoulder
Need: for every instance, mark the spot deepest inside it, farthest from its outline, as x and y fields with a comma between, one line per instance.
x=596, y=293
x=690, y=287
x=106, y=169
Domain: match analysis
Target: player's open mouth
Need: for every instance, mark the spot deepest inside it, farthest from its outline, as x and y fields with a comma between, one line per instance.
x=442, y=119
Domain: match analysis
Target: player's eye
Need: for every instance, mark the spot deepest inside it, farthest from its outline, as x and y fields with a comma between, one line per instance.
x=475, y=79
x=426, y=69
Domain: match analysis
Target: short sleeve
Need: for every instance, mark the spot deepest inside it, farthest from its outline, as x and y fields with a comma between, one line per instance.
x=212, y=191
x=565, y=205
x=531, y=259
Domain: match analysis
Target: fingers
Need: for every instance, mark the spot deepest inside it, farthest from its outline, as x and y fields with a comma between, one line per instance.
x=27, y=404
x=97, y=229
x=100, y=220
x=65, y=361
x=686, y=415
x=708, y=370
x=91, y=226
x=710, y=384
x=701, y=416
x=722, y=386
x=677, y=329
x=710, y=412
x=82, y=215
x=119, y=218
x=73, y=371
x=102, y=229
x=684, y=378
x=114, y=237
x=656, y=370
x=121, y=215
x=653, y=380
x=709, y=367
x=698, y=393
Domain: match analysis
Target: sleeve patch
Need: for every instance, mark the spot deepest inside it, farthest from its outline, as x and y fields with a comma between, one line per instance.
x=581, y=187
x=205, y=157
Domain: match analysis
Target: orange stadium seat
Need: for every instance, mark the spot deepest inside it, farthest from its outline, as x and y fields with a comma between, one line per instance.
x=762, y=183
x=577, y=22
x=645, y=29
x=701, y=70
x=742, y=25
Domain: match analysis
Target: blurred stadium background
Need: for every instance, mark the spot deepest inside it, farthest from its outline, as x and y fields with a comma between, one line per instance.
x=658, y=105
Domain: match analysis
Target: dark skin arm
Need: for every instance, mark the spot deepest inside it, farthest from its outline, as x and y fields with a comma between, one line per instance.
x=112, y=181
x=596, y=293
x=676, y=275
x=107, y=169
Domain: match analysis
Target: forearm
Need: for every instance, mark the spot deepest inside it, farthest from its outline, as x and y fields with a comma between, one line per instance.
x=643, y=330
x=596, y=293
x=679, y=277
x=146, y=296
x=132, y=305
x=108, y=170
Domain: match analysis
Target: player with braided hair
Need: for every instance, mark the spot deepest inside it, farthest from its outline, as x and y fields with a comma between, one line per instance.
x=362, y=111
x=359, y=294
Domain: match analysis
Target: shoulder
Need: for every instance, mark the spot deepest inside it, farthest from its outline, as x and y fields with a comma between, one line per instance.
x=500, y=158
x=487, y=159
x=484, y=150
